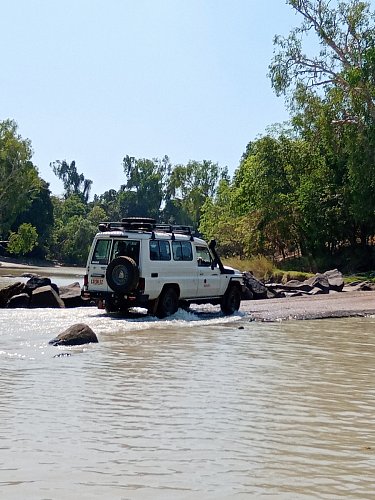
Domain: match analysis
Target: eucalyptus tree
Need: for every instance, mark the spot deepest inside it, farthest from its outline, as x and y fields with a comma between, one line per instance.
x=73, y=182
x=345, y=58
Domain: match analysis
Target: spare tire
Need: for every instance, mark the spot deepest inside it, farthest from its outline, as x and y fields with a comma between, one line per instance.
x=122, y=274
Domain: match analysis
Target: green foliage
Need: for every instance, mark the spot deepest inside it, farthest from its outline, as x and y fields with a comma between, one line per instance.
x=73, y=240
x=143, y=193
x=40, y=215
x=24, y=241
x=189, y=187
x=20, y=181
x=108, y=201
x=346, y=35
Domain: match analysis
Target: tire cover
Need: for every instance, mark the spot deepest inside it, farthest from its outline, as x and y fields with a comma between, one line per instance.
x=122, y=274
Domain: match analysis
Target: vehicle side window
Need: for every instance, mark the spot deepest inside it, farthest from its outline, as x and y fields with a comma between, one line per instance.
x=203, y=256
x=101, y=252
x=187, y=252
x=160, y=250
x=126, y=248
x=182, y=250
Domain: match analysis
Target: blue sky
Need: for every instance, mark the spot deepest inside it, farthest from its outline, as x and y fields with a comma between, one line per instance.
x=92, y=81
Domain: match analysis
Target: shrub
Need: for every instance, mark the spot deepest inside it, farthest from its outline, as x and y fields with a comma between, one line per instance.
x=23, y=241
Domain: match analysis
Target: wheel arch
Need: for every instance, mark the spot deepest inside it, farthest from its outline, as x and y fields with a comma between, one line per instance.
x=171, y=285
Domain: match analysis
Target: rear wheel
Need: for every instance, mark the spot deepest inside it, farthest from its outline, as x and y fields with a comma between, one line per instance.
x=111, y=305
x=168, y=303
x=116, y=304
x=152, y=307
x=231, y=301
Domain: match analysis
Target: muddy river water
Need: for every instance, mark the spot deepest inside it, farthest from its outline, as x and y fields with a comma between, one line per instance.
x=194, y=407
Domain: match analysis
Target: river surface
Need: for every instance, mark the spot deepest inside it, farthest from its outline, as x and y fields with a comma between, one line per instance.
x=195, y=407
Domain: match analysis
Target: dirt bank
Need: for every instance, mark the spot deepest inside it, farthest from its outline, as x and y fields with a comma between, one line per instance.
x=332, y=305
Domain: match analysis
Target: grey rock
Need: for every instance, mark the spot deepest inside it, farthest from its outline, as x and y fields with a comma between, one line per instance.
x=46, y=296
x=20, y=300
x=256, y=287
x=318, y=281
x=335, y=280
x=71, y=295
x=77, y=334
x=9, y=291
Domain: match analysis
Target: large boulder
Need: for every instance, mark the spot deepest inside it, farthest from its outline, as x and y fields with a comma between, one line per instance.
x=9, y=291
x=309, y=286
x=256, y=287
x=38, y=282
x=318, y=281
x=77, y=334
x=71, y=295
x=46, y=296
x=335, y=280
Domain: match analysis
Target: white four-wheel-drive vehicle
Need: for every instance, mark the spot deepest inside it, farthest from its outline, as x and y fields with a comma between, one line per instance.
x=160, y=267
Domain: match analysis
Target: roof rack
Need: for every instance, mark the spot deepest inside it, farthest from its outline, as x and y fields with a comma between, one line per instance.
x=146, y=224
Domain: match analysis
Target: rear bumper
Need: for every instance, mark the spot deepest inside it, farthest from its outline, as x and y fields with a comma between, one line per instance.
x=134, y=300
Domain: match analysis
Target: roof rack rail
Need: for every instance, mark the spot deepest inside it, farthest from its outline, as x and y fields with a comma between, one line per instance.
x=173, y=228
x=126, y=226
x=145, y=224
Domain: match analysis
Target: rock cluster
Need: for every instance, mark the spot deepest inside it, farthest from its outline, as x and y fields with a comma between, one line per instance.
x=39, y=291
x=318, y=284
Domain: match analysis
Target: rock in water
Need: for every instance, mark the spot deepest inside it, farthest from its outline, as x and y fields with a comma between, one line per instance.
x=9, y=291
x=77, y=334
x=21, y=300
x=45, y=296
x=71, y=295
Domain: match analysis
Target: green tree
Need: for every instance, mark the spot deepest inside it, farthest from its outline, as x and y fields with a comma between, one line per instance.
x=20, y=181
x=74, y=183
x=73, y=231
x=143, y=193
x=108, y=201
x=40, y=215
x=235, y=234
x=332, y=97
x=23, y=241
x=189, y=186
x=346, y=58
x=73, y=240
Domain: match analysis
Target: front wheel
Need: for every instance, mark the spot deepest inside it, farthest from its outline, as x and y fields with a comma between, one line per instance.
x=168, y=303
x=231, y=301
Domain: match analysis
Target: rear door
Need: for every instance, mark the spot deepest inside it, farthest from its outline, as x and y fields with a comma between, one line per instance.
x=98, y=265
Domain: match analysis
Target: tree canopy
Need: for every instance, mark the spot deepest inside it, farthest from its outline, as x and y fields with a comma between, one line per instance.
x=345, y=60
x=20, y=181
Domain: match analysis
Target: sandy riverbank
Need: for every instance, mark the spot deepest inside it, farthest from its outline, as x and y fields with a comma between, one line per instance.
x=332, y=305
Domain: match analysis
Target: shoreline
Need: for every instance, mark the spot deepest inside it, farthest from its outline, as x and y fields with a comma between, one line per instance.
x=332, y=305
x=11, y=263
